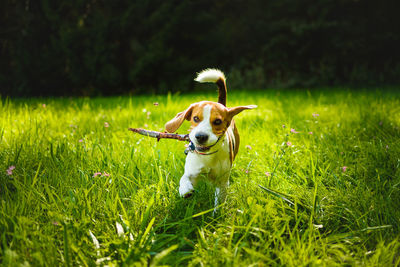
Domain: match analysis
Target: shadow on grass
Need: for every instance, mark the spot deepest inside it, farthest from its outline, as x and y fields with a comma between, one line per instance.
x=181, y=225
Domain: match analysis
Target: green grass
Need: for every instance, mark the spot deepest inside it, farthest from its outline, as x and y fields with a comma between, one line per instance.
x=308, y=211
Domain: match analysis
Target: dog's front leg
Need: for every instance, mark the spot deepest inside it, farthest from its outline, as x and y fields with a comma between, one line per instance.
x=186, y=186
x=193, y=169
x=220, y=195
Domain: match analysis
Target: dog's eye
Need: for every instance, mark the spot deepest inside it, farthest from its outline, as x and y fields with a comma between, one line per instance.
x=217, y=122
x=196, y=119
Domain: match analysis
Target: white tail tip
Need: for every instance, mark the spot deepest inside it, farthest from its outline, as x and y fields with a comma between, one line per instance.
x=209, y=76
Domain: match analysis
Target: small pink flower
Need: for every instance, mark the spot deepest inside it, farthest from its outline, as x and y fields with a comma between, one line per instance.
x=315, y=115
x=148, y=114
x=293, y=131
x=106, y=125
x=344, y=168
x=146, y=125
x=55, y=223
x=310, y=132
x=155, y=103
x=283, y=126
x=96, y=174
x=248, y=147
x=106, y=174
x=268, y=174
x=80, y=140
x=43, y=105
x=289, y=143
x=246, y=171
x=10, y=170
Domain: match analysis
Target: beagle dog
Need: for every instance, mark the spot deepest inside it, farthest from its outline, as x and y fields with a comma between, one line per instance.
x=214, y=139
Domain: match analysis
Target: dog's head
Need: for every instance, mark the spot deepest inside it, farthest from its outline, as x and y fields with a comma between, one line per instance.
x=209, y=120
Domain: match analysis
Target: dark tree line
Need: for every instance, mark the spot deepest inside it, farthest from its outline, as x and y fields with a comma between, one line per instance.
x=76, y=47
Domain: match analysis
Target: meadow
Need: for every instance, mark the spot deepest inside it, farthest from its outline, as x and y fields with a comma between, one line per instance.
x=316, y=183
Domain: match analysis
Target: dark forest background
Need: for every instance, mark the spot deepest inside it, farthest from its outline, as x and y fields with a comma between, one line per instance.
x=76, y=47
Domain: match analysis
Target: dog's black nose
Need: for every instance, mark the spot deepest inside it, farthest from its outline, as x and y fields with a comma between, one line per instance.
x=201, y=137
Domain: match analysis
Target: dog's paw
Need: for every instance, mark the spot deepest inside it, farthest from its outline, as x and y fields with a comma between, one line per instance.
x=186, y=189
x=188, y=195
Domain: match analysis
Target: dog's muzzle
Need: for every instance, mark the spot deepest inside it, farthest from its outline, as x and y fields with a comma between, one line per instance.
x=201, y=149
x=201, y=137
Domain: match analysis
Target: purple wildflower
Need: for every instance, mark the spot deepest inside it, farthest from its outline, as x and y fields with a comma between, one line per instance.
x=96, y=174
x=10, y=170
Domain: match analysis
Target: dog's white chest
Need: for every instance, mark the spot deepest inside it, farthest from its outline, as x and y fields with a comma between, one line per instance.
x=215, y=167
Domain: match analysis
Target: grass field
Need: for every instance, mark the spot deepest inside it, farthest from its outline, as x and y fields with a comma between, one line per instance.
x=316, y=182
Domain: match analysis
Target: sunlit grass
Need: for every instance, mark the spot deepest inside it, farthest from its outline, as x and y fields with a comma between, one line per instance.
x=85, y=190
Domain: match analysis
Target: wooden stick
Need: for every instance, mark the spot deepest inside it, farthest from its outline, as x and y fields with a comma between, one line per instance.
x=159, y=135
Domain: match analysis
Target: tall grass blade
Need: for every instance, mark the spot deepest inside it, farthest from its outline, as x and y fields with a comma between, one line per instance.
x=277, y=194
x=162, y=255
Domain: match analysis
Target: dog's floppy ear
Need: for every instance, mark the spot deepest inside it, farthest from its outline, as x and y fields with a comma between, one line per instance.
x=236, y=110
x=176, y=122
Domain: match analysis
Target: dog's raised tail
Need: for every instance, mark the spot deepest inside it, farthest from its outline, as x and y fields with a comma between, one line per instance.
x=214, y=76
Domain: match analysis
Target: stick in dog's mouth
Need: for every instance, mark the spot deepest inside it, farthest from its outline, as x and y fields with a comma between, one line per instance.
x=203, y=148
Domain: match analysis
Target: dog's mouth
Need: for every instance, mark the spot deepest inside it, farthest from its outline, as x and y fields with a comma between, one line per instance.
x=203, y=148
x=200, y=148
